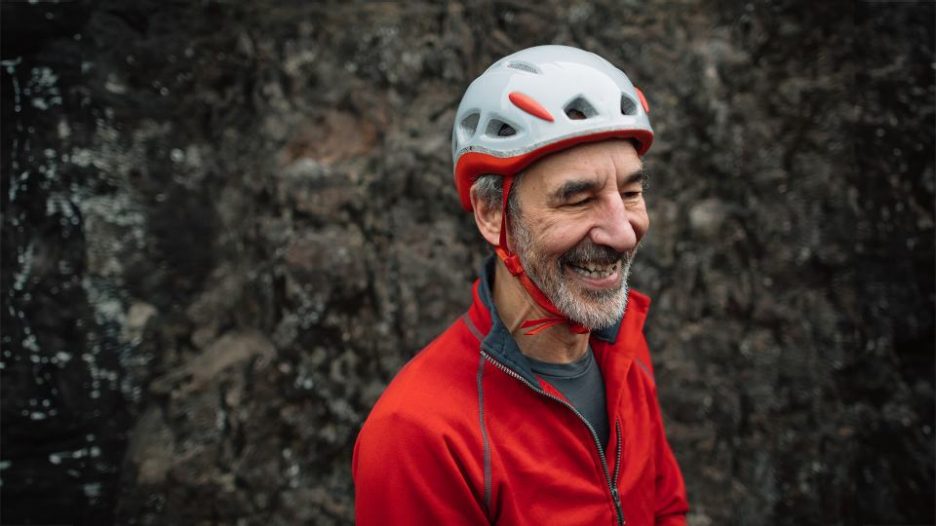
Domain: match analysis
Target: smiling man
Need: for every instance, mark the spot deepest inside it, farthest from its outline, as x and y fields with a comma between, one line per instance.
x=538, y=406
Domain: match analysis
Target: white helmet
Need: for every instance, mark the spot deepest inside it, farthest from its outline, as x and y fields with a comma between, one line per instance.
x=539, y=101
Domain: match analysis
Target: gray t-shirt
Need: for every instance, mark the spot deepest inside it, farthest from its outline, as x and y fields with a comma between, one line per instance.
x=581, y=382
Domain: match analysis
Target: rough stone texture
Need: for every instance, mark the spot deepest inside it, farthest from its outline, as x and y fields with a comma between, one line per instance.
x=226, y=225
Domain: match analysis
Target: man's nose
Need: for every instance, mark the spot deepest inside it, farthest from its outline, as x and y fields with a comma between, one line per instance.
x=614, y=226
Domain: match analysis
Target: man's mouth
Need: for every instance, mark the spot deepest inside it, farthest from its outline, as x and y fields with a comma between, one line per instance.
x=595, y=270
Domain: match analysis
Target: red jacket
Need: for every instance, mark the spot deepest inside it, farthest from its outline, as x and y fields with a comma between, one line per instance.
x=466, y=434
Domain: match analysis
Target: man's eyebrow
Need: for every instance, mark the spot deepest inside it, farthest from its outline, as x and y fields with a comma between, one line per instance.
x=570, y=188
x=639, y=176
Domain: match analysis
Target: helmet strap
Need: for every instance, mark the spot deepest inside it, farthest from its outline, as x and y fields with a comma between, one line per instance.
x=515, y=267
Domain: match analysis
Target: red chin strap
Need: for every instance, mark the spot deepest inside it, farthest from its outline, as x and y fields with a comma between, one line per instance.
x=512, y=262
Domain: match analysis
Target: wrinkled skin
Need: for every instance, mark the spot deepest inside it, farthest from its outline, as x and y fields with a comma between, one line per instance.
x=581, y=209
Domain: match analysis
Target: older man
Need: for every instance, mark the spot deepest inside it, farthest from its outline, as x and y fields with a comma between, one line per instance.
x=538, y=406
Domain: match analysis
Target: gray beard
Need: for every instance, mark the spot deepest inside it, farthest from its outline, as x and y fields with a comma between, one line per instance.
x=603, y=310
x=593, y=309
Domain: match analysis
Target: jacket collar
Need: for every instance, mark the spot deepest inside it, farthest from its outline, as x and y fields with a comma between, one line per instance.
x=497, y=341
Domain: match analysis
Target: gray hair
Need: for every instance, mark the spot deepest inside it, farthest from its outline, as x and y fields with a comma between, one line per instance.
x=490, y=190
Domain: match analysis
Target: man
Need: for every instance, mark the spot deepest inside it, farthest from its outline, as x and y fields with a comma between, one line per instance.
x=538, y=406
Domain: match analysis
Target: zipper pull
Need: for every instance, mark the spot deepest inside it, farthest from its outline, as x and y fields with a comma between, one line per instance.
x=617, y=504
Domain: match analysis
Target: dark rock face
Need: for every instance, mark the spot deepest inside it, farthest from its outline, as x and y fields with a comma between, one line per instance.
x=227, y=225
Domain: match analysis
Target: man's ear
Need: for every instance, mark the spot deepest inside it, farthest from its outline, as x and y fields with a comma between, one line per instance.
x=487, y=218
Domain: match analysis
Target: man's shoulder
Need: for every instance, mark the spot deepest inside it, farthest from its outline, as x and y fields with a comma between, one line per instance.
x=436, y=382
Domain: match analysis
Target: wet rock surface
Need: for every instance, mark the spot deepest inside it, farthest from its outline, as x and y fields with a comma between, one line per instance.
x=227, y=225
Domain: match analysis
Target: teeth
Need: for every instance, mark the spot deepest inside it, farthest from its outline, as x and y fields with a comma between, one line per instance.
x=592, y=270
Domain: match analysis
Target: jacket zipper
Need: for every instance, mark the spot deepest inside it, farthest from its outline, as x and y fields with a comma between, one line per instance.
x=612, y=483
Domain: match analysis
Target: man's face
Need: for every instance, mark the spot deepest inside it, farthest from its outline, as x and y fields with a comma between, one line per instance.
x=582, y=215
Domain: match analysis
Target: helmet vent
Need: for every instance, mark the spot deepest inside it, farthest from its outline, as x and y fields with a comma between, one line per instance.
x=523, y=66
x=628, y=106
x=499, y=128
x=579, y=109
x=468, y=126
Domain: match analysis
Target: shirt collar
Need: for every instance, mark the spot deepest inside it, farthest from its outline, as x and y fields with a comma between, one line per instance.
x=501, y=344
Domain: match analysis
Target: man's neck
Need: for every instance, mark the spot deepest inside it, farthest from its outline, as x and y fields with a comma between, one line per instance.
x=557, y=344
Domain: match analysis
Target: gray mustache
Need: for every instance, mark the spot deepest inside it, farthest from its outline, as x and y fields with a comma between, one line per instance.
x=588, y=252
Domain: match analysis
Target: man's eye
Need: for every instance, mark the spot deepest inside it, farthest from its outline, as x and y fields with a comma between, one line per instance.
x=631, y=195
x=580, y=202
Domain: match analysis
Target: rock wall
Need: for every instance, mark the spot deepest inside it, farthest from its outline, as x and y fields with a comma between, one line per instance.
x=226, y=225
